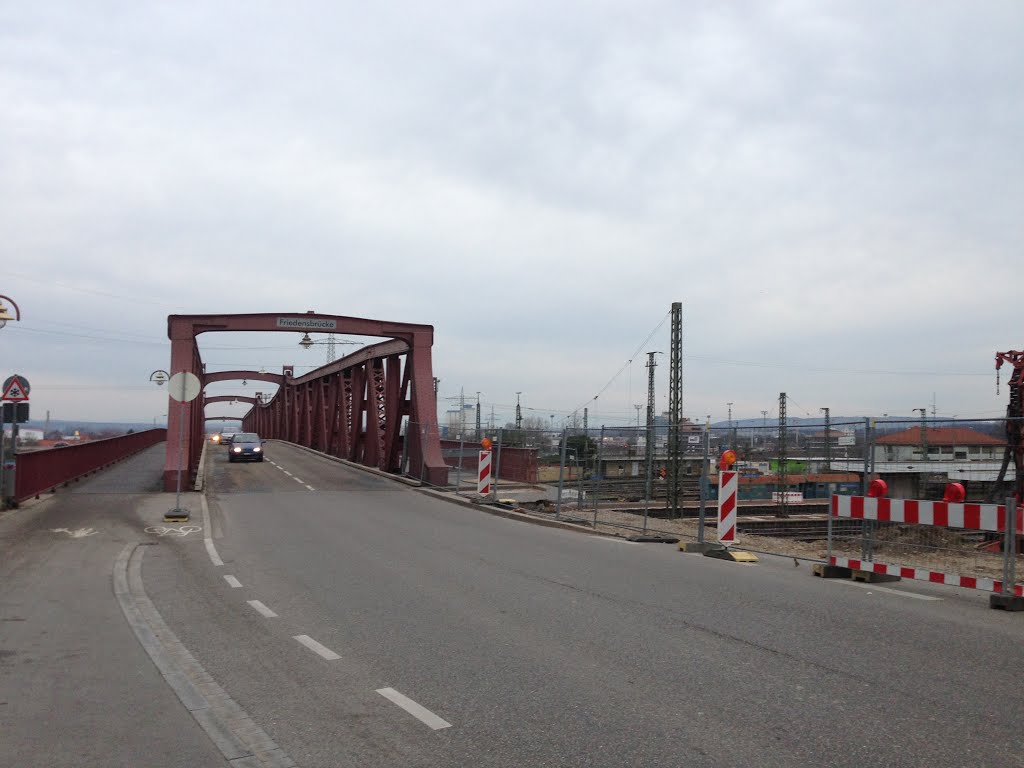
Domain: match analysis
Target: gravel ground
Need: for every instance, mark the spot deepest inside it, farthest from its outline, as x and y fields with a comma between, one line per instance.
x=932, y=549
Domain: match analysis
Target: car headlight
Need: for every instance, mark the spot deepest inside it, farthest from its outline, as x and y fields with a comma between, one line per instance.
x=257, y=449
x=237, y=449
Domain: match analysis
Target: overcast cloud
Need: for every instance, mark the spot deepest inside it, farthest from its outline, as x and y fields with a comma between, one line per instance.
x=832, y=189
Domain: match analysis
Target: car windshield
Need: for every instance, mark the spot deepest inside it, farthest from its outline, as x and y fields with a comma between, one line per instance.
x=246, y=437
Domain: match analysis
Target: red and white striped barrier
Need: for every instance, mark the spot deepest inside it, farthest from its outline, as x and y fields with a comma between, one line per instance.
x=483, y=480
x=728, y=485
x=920, y=574
x=975, y=517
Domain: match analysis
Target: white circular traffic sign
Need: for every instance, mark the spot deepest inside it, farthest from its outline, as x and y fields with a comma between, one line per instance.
x=184, y=387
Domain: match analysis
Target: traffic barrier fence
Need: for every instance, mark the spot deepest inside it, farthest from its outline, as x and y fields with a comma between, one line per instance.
x=40, y=471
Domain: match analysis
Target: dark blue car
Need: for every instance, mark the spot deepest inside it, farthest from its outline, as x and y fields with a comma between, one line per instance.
x=245, y=446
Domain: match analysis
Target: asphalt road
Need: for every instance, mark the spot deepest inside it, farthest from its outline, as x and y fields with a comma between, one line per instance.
x=521, y=645
x=76, y=688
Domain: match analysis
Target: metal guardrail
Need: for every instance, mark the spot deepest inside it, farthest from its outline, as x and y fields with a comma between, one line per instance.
x=41, y=471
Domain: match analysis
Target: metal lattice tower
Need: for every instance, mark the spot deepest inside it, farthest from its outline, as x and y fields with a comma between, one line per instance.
x=330, y=349
x=585, y=419
x=675, y=408
x=828, y=440
x=519, y=412
x=477, y=415
x=924, y=432
x=649, y=448
x=783, y=459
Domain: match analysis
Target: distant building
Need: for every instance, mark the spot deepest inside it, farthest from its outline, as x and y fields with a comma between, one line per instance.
x=34, y=435
x=943, y=444
x=917, y=468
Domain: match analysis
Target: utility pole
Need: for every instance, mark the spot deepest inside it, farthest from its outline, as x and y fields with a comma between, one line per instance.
x=519, y=413
x=732, y=430
x=828, y=440
x=922, y=486
x=764, y=424
x=651, y=365
x=462, y=414
x=923, y=433
x=783, y=510
x=477, y=415
x=675, y=408
x=585, y=421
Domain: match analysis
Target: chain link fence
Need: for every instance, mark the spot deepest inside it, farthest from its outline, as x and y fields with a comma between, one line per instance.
x=641, y=481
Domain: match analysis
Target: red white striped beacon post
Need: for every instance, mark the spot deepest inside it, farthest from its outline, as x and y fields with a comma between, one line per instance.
x=483, y=480
x=728, y=487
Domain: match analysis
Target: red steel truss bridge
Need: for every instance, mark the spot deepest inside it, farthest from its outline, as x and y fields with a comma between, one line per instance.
x=352, y=408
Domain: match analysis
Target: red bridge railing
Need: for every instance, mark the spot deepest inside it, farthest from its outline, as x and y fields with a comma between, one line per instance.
x=41, y=471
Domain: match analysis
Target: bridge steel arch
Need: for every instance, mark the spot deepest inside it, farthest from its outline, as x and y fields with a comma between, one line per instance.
x=353, y=408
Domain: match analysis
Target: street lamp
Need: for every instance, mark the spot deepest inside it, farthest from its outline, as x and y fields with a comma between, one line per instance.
x=305, y=342
x=5, y=315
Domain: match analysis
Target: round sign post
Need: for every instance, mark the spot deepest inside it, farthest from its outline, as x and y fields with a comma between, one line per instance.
x=184, y=387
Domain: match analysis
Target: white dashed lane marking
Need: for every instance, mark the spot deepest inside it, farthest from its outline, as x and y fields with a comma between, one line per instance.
x=232, y=581
x=298, y=480
x=421, y=713
x=262, y=609
x=316, y=648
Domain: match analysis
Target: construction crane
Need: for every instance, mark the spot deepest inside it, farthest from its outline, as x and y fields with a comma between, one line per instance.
x=1014, y=424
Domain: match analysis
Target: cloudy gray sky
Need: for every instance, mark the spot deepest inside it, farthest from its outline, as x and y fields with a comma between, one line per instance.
x=832, y=189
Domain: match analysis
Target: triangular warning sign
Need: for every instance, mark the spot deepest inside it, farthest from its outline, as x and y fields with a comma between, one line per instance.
x=14, y=392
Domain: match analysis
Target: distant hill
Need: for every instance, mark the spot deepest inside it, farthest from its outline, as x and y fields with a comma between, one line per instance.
x=67, y=427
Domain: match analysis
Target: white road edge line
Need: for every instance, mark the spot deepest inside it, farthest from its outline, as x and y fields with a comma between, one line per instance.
x=262, y=609
x=316, y=648
x=876, y=588
x=422, y=714
x=303, y=482
x=232, y=582
x=311, y=487
x=207, y=540
x=288, y=473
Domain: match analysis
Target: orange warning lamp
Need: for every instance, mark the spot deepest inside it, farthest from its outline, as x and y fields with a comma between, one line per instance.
x=954, y=494
x=878, y=488
x=486, y=443
x=727, y=460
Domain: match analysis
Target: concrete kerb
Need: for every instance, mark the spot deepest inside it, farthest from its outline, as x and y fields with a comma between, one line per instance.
x=201, y=474
x=227, y=725
x=512, y=514
x=353, y=465
x=461, y=501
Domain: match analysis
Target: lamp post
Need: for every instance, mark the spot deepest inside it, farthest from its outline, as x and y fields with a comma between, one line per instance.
x=305, y=342
x=5, y=316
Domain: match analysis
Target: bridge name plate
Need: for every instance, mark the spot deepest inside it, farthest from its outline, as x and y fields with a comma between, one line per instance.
x=307, y=323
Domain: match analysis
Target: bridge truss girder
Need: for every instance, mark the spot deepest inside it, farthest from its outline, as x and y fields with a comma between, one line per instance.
x=353, y=408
